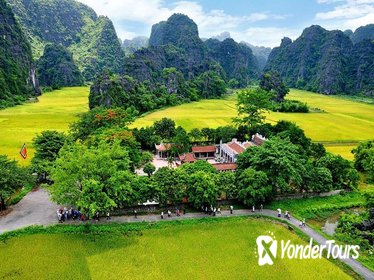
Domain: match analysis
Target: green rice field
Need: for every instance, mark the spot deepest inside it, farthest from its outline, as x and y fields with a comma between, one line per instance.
x=199, y=249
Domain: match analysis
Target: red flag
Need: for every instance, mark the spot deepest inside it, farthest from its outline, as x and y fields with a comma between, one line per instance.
x=23, y=151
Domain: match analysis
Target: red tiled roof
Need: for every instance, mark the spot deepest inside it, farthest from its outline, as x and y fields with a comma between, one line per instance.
x=236, y=147
x=204, y=149
x=163, y=147
x=225, y=166
x=190, y=157
x=248, y=144
x=258, y=140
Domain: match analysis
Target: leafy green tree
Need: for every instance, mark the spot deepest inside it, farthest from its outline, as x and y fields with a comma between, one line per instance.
x=149, y=168
x=252, y=104
x=227, y=185
x=202, y=189
x=254, y=187
x=364, y=158
x=195, y=134
x=47, y=145
x=12, y=178
x=181, y=142
x=146, y=157
x=208, y=133
x=343, y=174
x=199, y=165
x=94, y=197
x=81, y=174
x=224, y=133
x=171, y=185
x=165, y=128
x=369, y=196
x=280, y=160
x=122, y=135
x=123, y=189
x=146, y=137
x=317, y=179
x=272, y=82
x=210, y=84
x=98, y=118
x=290, y=131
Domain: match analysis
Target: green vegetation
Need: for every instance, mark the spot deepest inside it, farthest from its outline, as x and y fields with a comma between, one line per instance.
x=149, y=251
x=340, y=124
x=364, y=159
x=57, y=69
x=15, y=61
x=12, y=179
x=54, y=111
x=319, y=207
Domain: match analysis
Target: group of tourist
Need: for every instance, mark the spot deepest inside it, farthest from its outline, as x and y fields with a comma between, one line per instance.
x=177, y=213
x=66, y=214
x=211, y=210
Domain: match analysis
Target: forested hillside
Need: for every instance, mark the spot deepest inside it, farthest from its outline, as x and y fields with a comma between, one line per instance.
x=91, y=39
x=325, y=61
x=176, y=43
x=56, y=68
x=362, y=33
x=17, y=73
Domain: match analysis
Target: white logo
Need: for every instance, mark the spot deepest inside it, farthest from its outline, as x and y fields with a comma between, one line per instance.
x=267, y=247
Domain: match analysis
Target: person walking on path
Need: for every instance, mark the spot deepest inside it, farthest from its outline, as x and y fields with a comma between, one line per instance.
x=253, y=209
x=279, y=212
x=135, y=214
x=231, y=209
x=108, y=216
x=162, y=215
x=169, y=213
x=261, y=207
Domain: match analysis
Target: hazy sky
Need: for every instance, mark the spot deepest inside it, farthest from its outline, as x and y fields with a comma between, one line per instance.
x=260, y=22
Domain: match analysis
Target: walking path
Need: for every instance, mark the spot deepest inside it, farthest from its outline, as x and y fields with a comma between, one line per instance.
x=34, y=209
x=37, y=209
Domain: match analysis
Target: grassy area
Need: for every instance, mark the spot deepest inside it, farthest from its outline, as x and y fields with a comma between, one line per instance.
x=195, y=249
x=54, y=111
x=319, y=207
x=341, y=125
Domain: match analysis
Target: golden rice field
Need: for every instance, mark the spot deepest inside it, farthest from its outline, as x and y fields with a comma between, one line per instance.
x=340, y=126
x=54, y=111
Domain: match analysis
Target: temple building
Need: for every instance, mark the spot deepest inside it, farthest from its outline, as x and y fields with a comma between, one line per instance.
x=228, y=152
x=163, y=150
x=204, y=152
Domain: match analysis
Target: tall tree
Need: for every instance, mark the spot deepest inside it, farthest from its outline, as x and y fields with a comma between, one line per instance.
x=165, y=128
x=82, y=176
x=252, y=104
x=280, y=160
x=254, y=187
x=272, y=82
x=47, y=145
